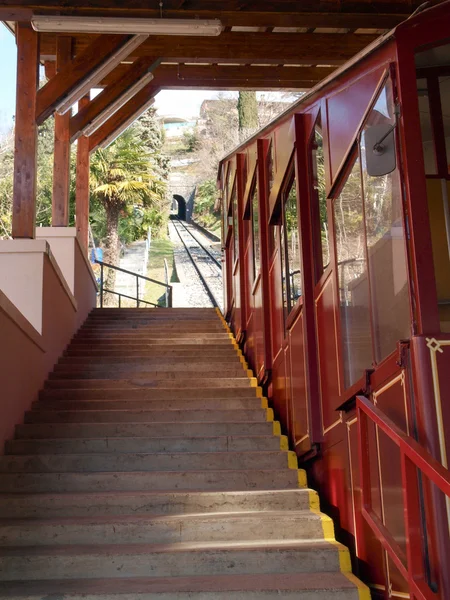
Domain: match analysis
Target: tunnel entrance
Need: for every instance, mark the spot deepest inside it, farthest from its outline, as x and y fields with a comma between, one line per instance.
x=181, y=202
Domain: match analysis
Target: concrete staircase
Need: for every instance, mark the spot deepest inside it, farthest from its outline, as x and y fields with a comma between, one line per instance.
x=151, y=468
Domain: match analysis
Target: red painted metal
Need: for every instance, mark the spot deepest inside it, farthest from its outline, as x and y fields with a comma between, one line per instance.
x=413, y=459
x=305, y=348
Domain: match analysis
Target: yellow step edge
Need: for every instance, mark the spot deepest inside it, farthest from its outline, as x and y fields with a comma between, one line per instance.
x=345, y=563
x=314, y=502
x=276, y=429
x=363, y=589
x=264, y=403
x=269, y=414
x=284, y=444
x=253, y=382
x=259, y=392
x=292, y=460
x=302, y=479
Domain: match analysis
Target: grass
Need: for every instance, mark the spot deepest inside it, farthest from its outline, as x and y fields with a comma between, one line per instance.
x=159, y=250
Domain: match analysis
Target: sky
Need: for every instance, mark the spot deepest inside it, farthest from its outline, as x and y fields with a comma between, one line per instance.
x=184, y=103
x=7, y=78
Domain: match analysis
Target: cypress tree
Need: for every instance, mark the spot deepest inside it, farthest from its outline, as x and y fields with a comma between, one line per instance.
x=248, y=113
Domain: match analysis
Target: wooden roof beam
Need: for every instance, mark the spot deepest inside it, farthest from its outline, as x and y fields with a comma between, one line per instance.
x=243, y=76
x=273, y=48
x=121, y=82
x=362, y=15
x=123, y=117
x=87, y=67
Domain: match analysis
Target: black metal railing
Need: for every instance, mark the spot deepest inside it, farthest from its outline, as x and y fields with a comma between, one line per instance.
x=137, y=299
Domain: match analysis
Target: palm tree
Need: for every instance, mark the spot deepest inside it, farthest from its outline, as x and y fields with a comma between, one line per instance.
x=122, y=180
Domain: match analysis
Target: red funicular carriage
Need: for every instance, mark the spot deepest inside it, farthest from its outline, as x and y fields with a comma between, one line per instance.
x=336, y=226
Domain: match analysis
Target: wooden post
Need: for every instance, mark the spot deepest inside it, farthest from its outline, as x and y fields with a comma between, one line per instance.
x=25, y=148
x=61, y=157
x=82, y=186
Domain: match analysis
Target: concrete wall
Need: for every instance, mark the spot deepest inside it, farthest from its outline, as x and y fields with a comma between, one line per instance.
x=28, y=353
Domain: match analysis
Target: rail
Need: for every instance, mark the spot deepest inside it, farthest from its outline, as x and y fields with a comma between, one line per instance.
x=194, y=263
x=137, y=299
x=413, y=458
x=212, y=257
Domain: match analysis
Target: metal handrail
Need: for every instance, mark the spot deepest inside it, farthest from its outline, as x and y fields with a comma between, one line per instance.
x=138, y=276
x=413, y=458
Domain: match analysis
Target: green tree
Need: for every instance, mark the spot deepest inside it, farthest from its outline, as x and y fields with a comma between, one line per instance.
x=247, y=106
x=122, y=182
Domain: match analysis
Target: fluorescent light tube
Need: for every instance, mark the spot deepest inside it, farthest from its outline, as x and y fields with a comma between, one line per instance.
x=98, y=74
x=117, y=104
x=57, y=24
x=111, y=138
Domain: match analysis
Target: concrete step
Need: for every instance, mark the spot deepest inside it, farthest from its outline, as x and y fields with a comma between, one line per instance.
x=231, y=366
x=145, y=352
x=140, y=393
x=215, y=341
x=254, y=479
x=143, y=416
x=99, y=504
x=174, y=560
x=273, y=586
x=191, y=327
x=132, y=462
x=80, y=379
x=139, y=429
x=150, y=382
x=168, y=358
x=151, y=333
x=148, y=404
x=144, y=444
x=168, y=529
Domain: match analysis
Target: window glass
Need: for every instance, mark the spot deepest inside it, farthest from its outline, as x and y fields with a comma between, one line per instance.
x=444, y=87
x=255, y=232
x=353, y=278
x=429, y=156
x=235, y=224
x=284, y=280
x=385, y=244
x=292, y=246
x=320, y=200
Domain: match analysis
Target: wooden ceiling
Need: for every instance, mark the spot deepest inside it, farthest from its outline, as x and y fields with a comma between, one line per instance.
x=265, y=44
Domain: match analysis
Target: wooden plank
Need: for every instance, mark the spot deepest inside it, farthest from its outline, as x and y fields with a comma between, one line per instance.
x=61, y=155
x=120, y=82
x=93, y=54
x=25, y=167
x=246, y=48
x=121, y=116
x=243, y=76
x=376, y=15
x=82, y=186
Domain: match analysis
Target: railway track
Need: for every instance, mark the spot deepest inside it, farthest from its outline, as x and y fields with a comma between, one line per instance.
x=206, y=262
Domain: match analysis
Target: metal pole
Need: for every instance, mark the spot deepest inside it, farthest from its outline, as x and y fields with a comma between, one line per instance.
x=137, y=291
x=166, y=278
x=101, y=286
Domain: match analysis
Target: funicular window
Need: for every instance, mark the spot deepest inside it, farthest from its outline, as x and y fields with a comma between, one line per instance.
x=319, y=198
x=371, y=254
x=290, y=245
x=433, y=88
x=385, y=238
x=353, y=277
x=255, y=230
x=235, y=216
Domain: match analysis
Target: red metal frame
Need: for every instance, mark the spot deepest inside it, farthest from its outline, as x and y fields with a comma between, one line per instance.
x=414, y=458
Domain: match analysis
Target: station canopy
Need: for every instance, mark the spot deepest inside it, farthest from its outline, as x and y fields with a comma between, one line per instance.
x=134, y=49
